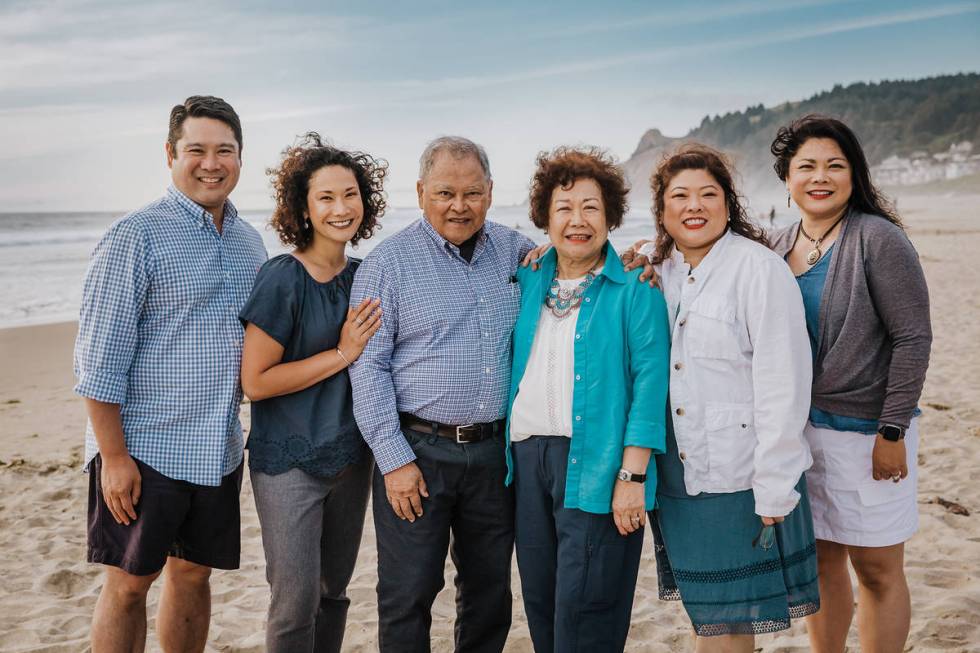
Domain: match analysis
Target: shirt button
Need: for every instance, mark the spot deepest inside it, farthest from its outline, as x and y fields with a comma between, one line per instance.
x=488, y=370
x=486, y=335
x=578, y=336
x=678, y=366
x=574, y=461
x=578, y=418
x=482, y=406
x=578, y=377
x=690, y=279
x=588, y=299
x=683, y=456
x=481, y=300
x=682, y=322
x=680, y=411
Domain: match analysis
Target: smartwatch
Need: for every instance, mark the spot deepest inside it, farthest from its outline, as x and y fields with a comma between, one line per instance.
x=627, y=475
x=891, y=432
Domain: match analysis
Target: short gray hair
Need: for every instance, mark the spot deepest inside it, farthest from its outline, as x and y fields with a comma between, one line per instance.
x=458, y=147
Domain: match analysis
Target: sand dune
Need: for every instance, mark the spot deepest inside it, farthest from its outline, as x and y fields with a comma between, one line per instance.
x=48, y=592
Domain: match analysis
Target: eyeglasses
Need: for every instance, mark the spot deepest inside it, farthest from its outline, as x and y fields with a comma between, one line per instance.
x=766, y=537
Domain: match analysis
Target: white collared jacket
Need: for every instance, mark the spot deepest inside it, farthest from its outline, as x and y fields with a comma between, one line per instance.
x=740, y=372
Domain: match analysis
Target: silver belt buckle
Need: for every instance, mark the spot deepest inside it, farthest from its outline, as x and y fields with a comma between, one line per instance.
x=461, y=426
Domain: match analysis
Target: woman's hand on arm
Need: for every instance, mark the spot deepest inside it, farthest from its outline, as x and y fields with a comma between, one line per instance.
x=632, y=259
x=362, y=323
x=533, y=257
x=264, y=374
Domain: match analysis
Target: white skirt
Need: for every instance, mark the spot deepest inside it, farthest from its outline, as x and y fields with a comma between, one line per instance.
x=850, y=507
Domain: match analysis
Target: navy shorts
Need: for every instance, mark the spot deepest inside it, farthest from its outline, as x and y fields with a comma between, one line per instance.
x=197, y=523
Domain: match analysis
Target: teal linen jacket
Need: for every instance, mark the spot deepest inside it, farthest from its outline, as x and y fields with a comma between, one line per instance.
x=619, y=396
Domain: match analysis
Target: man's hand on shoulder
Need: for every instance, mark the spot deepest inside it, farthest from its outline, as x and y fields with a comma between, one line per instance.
x=405, y=488
x=121, y=486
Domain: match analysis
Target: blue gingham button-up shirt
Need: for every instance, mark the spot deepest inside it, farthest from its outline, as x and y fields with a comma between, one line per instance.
x=443, y=350
x=159, y=334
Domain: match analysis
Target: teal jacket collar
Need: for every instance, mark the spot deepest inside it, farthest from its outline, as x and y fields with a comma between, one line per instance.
x=612, y=269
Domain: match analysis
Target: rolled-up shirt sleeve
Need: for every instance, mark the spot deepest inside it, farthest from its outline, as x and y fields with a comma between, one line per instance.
x=113, y=295
x=781, y=380
x=375, y=403
x=649, y=346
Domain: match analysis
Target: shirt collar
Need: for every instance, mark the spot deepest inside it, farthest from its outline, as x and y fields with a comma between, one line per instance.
x=199, y=213
x=448, y=246
x=710, y=259
x=612, y=268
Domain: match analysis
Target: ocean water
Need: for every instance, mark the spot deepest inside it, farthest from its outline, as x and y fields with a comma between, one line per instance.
x=43, y=256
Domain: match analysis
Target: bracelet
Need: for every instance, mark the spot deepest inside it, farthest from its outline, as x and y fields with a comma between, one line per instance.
x=341, y=354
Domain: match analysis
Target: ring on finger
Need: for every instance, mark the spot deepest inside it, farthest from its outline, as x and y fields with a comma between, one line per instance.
x=358, y=321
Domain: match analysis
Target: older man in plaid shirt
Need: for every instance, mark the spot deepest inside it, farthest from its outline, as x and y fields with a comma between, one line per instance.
x=430, y=394
x=157, y=360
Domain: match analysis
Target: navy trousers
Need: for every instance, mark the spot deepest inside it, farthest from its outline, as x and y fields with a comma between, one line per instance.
x=468, y=512
x=578, y=574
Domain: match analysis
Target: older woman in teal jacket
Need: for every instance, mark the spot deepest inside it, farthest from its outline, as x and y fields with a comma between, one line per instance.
x=587, y=409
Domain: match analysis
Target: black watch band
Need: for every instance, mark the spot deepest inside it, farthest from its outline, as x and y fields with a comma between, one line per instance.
x=891, y=432
x=627, y=475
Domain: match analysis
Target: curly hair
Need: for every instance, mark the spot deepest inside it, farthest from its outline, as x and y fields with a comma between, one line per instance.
x=291, y=183
x=696, y=156
x=865, y=197
x=563, y=166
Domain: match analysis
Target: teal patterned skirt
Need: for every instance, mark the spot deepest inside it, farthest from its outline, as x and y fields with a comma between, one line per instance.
x=706, y=558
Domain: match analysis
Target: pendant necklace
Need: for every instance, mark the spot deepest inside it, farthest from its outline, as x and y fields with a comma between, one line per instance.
x=562, y=302
x=814, y=255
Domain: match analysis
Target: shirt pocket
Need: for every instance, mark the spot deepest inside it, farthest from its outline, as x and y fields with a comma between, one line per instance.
x=730, y=434
x=711, y=328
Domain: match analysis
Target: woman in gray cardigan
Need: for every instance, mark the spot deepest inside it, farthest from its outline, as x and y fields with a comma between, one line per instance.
x=867, y=313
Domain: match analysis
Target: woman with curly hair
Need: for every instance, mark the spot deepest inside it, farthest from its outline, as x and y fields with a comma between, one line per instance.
x=587, y=409
x=733, y=533
x=309, y=466
x=867, y=313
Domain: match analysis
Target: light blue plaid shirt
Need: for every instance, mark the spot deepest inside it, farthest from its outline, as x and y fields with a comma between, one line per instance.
x=443, y=350
x=159, y=334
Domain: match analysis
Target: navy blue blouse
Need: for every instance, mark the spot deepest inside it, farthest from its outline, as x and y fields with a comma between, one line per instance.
x=313, y=429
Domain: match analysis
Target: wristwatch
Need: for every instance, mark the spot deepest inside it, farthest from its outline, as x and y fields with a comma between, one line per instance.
x=891, y=432
x=627, y=475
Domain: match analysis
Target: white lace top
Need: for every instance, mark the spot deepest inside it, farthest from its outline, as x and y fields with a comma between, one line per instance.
x=543, y=405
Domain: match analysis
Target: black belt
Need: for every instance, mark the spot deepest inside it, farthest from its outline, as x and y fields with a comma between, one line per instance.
x=463, y=434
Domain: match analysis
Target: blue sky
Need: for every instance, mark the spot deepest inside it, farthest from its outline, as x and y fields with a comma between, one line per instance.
x=86, y=86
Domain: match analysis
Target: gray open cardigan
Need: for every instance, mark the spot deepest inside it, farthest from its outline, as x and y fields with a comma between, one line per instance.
x=875, y=332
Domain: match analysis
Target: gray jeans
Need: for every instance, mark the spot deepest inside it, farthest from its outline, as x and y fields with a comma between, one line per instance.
x=311, y=532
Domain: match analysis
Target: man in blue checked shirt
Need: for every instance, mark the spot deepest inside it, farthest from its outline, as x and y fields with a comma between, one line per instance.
x=157, y=361
x=430, y=394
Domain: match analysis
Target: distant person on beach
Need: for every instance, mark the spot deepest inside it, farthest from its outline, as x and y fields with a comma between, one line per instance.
x=157, y=361
x=430, y=395
x=588, y=399
x=310, y=468
x=867, y=313
x=733, y=532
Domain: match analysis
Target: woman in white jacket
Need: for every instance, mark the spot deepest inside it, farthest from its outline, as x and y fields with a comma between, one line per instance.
x=733, y=529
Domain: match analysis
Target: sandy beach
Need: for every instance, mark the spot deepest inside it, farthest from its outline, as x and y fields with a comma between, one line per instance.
x=49, y=590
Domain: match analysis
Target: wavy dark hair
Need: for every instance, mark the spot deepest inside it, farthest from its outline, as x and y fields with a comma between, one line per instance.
x=865, y=197
x=291, y=184
x=697, y=156
x=561, y=167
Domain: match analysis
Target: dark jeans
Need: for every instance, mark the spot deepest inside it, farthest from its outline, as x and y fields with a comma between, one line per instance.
x=578, y=574
x=467, y=499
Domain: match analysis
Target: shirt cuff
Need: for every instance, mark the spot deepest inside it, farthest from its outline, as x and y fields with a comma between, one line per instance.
x=766, y=507
x=108, y=387
x=392, y=453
